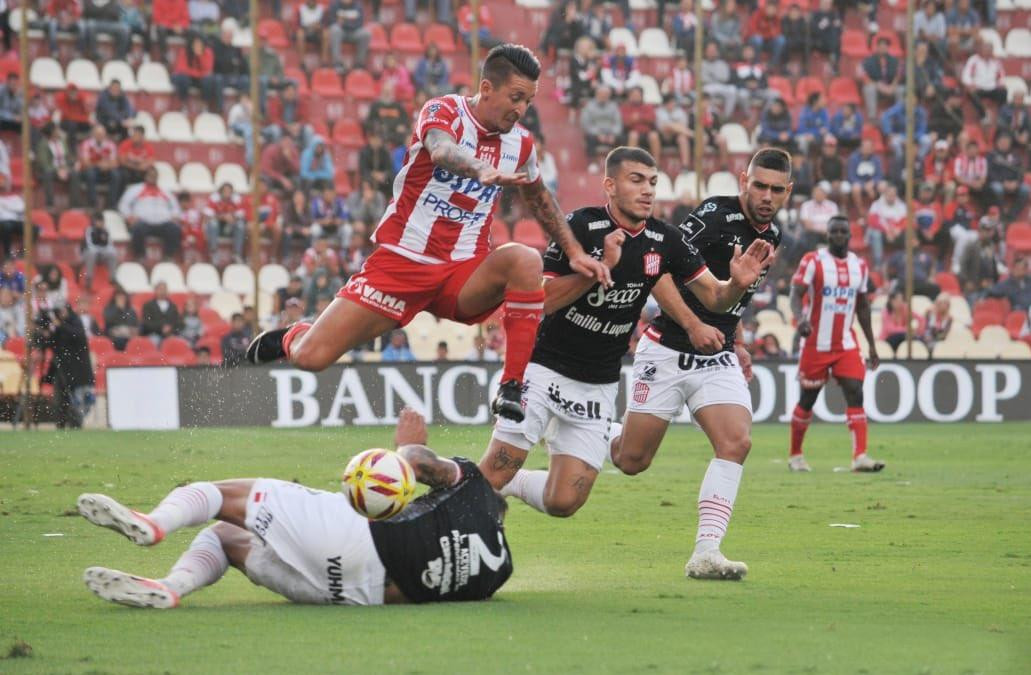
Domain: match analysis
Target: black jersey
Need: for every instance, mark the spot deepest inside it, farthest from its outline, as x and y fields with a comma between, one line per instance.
x=448, y=544
x=715, y=228
x=586, y=339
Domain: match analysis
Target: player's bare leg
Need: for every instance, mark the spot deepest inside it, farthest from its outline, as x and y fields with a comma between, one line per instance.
x=729, y=428
x=511, y=274
x=634, y=448
x=800, y=420
x=856, y=420
x=501, y=462
x=560, y=491
x=343, y=326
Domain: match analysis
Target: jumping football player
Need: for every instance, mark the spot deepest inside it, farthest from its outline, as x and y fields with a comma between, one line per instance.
x=434, y=238
x=836, y=282
x=573, y=377
x=311, y=546
x=673, y=365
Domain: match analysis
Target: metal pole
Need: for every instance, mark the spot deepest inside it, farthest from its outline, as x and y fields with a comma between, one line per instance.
x=255, y=227
x=910, y=159
x=28, y=234
x=699, y=125
x=474, y=45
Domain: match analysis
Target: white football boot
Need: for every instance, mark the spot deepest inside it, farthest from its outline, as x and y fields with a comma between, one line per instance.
x=712, y=564
x=129, y=589
x=798, y=463
x=867, y=464
x=106, y=512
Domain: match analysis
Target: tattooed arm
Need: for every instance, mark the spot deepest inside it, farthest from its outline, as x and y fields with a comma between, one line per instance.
x=446, y=153
x=430, y=469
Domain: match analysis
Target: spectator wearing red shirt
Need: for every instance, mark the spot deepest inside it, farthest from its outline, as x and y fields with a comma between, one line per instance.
x=465, y=26
x=938, y=169
x=764, y=31
x=194, y=67
x=75, y=114
x=192, y=239
x=98, y=163
x=60, y=16
x=927, y=218
x=639, y=122
x=225, y=215
x=269, y=219
x=280, y=164
x=971, y=169
x=170, y=17
x=135, y=156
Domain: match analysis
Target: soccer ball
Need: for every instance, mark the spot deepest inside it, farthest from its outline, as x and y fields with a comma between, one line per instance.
x=379, y=483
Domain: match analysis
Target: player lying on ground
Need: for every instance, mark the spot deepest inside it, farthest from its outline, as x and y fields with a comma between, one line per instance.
x=672, y=365
x=836, y=282
x=310, y=546
x=434, y=238
x=572, y=380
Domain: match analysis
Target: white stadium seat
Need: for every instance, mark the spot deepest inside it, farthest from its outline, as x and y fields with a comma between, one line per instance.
x=152, y=77
x=769, y=317
x=226, y=304
x=170, y=274
x=83, y=74
x=650, y=90
x=14, y=18
x=235, y=175
x=202, y=278
x=919, y=351
x=686, y=183
x=1005, y=5
x=210, y=128
x=1016, y=350
x=121, y=71
x=920, y=304
x=994, y=335
x=167, y=180
x=242, y=38
x=46, y=73
x=655, y=42
x=174, y=127
x=959, y=308
x=642, y=5
x=195, y=177
x=132, y=277
x=238, y=278
x=1018, y=42
x=950, y=349
x=623, y=36
x=272, y=277
x=664, y=188
x=534, y=4
x=722, y=183
x=116, y=227
x=422, y=333
x=1015, y=84
x=737, y=139
x=992, y=36
x=146, y=120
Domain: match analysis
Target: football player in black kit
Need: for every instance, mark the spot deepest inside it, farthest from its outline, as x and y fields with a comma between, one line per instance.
x=570, y=386
x=312, y=547
x=702, y=366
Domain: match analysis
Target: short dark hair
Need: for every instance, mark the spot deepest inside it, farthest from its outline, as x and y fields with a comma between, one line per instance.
x=624, y=153
x=840, y=217
x=772, y=158
x=507, y=59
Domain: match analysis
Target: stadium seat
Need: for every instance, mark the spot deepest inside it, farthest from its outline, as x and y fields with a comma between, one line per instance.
x=140, y=346
x=146, y=120
x=210, y=128
x=992, y=36
x=1018, y=43
x=807, y=85
x=1015, y=85
x=844, y=90
x=45, y=222
x=238, y=278
x=360, y=84
x=655, y=42
x=722, y=183
x=405, y=37
x=195, y=177
x=226, y=304
x=235, y=175
x=348, y=133
x=175, y=346
x=202, y=278
x=300, y=78
x=651, y=91
x=951, y=350
x=874, y=134
x=272, y=277
x=499, y=233
x=72, y=225
x=273, y=34
x=854, y=43
x=664, y=188
x=1016, y=350
x=378, y=40
x=341, y=181
x=623, y=36
x=994, y=335
x=152, y=77
x=326, y=82
x=121, y=71
x=167, y=180
x=529, y=232
x=100, y=345
x=132, y=278
x=686, y=183
x=116, y=227
x=243, y=38
x=1015, y=322
x=174, y=127
x=442, y=36
x=948, y=283
x=1018, y=237
x=10, y=376
x=46, y=73
x=919, y=351
x=169, y=273
x=770, y=317
x=83, y=74
x=737, y=139
x=920, y=304
x=782, y=86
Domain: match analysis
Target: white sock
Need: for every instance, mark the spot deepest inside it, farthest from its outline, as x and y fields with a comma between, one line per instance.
x=187, y=506
x=615, y=431
x=203, y=564
x=716, y=503
x=529, y=487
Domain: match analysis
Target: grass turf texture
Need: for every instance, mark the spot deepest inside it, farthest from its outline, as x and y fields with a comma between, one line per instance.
x=936, y=580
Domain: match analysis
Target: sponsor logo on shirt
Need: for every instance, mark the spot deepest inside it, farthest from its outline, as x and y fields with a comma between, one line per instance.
x=657, y=236
x=335, y=581
x=735, y=216
x=461, y=558
x=593, y=324
x=647, y=372
x=466, y=186
x=615, y=297
x=597, y=225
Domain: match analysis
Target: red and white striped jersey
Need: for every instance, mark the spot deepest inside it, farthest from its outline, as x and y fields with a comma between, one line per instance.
x=832, y=286
x=437, y=216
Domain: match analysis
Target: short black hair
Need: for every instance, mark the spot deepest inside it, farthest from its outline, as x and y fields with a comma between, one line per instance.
x=772, y=158
x=625, y=153
x=840, y=217
x=507, y=59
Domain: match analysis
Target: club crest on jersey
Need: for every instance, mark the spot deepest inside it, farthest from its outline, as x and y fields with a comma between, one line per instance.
x=652, y=264
x=487, y=153
x=641, y=392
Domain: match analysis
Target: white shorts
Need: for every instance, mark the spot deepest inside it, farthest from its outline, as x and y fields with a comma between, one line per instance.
x=572, y=416
x=310, y=546
x=661, y=387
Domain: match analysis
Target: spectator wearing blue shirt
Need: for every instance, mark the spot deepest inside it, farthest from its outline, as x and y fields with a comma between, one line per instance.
x=11, y=277
x=316, y=165
x=431, y=73
x=397, y=348
x=346, y=20
x=114, y=110
x=963, y=26
x=814, y=123
x=866, y=173
x=330, y=216
x=893, y=126
x=847, y=126
x=775, y=126
x=882, y=76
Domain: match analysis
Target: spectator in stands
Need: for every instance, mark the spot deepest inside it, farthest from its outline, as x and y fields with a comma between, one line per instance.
x=191, y=327
x=929, y=27
x=346, y=20
x=12, y=220
x=12, y=315
x=584, y=72
x=293, y=311
x=396, y=75
x=893, y=126
x=684, y=23
x=296, y=224
x=375, y=163
x=192, y=223
x=225, y=215
x=120, y=319
x=160, y=315
x=56, y=285
x=115, y=111
x=309, y=28
x=481, y=351
x=716, y=78
x=11, y=277
x=1006, y=171
x=40, y=114
x=135, y=155
x=895, y=318
x=135, y=24
x=829, y=167
x=388, y=118
x=294, y=290
x=397, y=348
x=169, y=17
x=104, y=17
x=320, y=256
x=795, y=29
x=750, y=79
x=885, y=223
x=366, y=204
x=271, y=68
x=946, y=120
x=97, y=247
x=234, y=343
x=432, y=74
x=619, y=72
x=938, y=320
x=547, y=166
x=769, y=348
x=725, y=29
x=882, y=76
x=825, y=26
x=963, y=25
x=330, y=217
x=813, y=123
x=775, y=126
x=53, y=163
x=151, y=211
x=930, y=81
x=981, y=262
x=672, y=125
x=465, y=26
x=316, y=166
x=357, y=252
x=75, y=114
x=814, y=215
x=84, y=308
x=280, y=164
x=231, y=68
x=937, y=169
x=238, y=120
x=983, y=77
x=763, y=31
x=195, y=67
x=597, y=22
x=288, y=114
x=565, y=27
x=960, y=218
x=639, y=121
x=320, y=285
x=927, y=219
x=680, y=83
x=865, y=173
x=601, y=121
x=10, y=104
x=847, y=127
x=59, y=16
x=1016, y=288
x=971, y=169
x=98, y=165
x=1015, y=120
x=442, y=351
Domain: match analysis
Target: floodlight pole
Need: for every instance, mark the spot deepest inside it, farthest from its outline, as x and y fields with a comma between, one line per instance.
x=699, y=125
x=909, y=174
x=474, y=45
x=255, y=141
x=28, y=233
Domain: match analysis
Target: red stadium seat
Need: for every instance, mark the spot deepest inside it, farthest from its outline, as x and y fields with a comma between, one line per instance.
x=299, y=76
x=72, y=225
x=874, y=134
x=854, y=44
x=1018, y=237
x=378, y=41
x=806, y=86
x=273, y=34
x=529, y=232
x=341, y=181
x=115, y=359
x=441, y=35
x=42, y=219
x=948, y=283
x=359, y=84
x=140, y=346
x=326, y=82
x=16, y=345
x=348, y=133
x=100, y=345
x=213, y=344
x=1015, y=321
x=844, y=90
x=405, y=37
x=974, y=133
x=320, y=128
x=173, y=345
x=782, y=86
x=1000, y=307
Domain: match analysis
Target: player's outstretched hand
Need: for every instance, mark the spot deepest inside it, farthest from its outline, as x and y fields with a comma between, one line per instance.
x=581, y=263
x=411, y=429
x=613, y=248
x=805, y=328
x=745, y=359
x=746, y=267
x=491, y=176
x=705, y=338
x=873, y=361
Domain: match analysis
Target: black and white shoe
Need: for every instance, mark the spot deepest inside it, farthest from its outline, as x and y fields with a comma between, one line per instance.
x=509, y=401
x=267, y=347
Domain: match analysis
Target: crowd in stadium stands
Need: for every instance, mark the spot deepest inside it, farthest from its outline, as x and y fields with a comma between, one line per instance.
x=822, y=79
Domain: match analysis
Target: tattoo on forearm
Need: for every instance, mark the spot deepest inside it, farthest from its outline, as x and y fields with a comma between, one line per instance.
x=447, y=155
x=545, y=209
x=504, y=461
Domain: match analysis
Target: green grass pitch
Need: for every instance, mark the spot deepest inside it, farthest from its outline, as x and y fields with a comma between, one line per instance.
x=936, y=580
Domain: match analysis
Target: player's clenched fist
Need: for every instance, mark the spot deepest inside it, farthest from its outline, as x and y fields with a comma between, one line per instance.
x=613, y=248
x=589, y=267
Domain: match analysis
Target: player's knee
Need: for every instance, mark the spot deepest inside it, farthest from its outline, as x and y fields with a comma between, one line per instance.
x=735, y=448
x=309, y=356
x=563, y=506
x=525, y=264
x=631, y=464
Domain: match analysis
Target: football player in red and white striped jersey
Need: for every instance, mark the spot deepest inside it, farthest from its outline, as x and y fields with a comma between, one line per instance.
x=835, y=281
